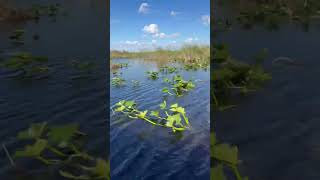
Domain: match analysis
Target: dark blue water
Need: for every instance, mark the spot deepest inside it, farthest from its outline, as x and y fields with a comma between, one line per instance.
x=276, y=128
x=62, y=97
x=141, y=151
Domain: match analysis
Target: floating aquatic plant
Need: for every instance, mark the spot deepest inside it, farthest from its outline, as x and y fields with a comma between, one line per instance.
x=83, y=65
x=223, y=156
x=173, y=116
x=27, y=64
x=153, y=75
x=230, y=75
x=178, y=85
x=60, y=146
x=17, y=36
x=168, y=69
x=117, y=81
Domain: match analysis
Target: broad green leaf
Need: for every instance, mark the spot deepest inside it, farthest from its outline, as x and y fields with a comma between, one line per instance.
x=142, y=114
x=71, y=176
x=163, y=105
x=165, y=90
x=120, y=103
x=174, y=105
x=102, y=169
x=61, y=135
x=173, y=119
x=129, y=104
x=227, y=153
x=154, y=113
x=217, y=173
x=33, y=132
x=34, y=150
x=121, y=108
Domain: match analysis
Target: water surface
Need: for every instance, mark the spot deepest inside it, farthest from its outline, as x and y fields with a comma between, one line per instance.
x=276, y=128
x=141, y=151
x=62, y=97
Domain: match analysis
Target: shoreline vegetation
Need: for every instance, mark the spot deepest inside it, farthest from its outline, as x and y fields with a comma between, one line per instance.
x=187, y=54
x=11, y=14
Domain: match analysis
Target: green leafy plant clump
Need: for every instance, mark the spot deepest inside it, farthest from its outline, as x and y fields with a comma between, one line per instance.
x=27, y=64
x=117, y=81
x=230, y=75
x=153, y=75
x=17, y=36
x=61, y=146
x=179, y=86
x=173, y=116
x=168, y=69
x=223, y=155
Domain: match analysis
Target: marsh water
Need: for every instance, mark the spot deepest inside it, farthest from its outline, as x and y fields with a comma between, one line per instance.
x=66, y=95
x=142, y=151
x=277, y=128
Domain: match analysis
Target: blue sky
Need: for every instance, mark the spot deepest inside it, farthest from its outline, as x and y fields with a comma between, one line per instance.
x=148, y=24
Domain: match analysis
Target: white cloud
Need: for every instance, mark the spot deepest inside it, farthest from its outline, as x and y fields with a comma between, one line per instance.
x=174, y=13
x=132, y=42
x=191, y=40
x=205, y=19
x=160, y=35
x=144, y=8
x=154, y=30
x=151, y=29
x=154, y=41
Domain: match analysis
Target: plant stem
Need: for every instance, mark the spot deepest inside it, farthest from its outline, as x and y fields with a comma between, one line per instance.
x=8, y=154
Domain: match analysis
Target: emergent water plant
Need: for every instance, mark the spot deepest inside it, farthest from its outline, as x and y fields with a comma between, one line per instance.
x=230, y=75
x=178, y=85
x=224, y=155
x=170, y=116
x=117, y=81
x=61, y=147
x=153, y=75
x=27, y=64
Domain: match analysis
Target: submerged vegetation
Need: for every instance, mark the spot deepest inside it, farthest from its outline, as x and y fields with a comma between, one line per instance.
x=60, y=147
x=162, y=118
